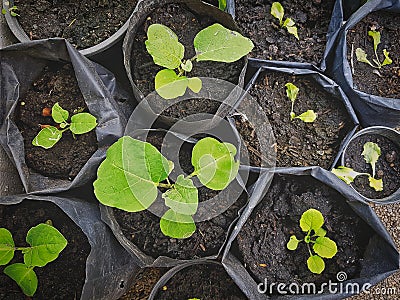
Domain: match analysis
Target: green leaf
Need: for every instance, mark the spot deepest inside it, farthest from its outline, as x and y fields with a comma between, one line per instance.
x=387, y=60
x=82, y=123
x=177, y=225
x=214, y=163
x=46, y=244
x=59, y=114
x=277, y=11
x=347, y=174
x=128, y=177
x=293, y=30
x=169, y=85
x=163, y=45
x=183, y=197
x=217, y=43
x=6, y=246
x=325, y=247
x=307, y=117
x=320, y=232
x=371, y=155
x=195, y=84
x=311, y=219
x=47, y=137
x=4, y=11
x=24, y=276
x=222, y=4
x=187, y=66
x=376, y=36
x=291, y=91
x=315, y=264
x=293, y=243
x=376, y=184
x=362, y=57
x=288, y=22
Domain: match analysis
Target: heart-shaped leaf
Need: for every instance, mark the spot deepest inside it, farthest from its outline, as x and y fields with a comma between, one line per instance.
x=293, y=243
x=82, y=123
x=6, y=246
x=325, y=247
x=59, y=114
x=47, y=137
x=183, y=198
x=311, y=219
x=169, y=85
x=316, y=264
x=177, y=225
x=24, y=276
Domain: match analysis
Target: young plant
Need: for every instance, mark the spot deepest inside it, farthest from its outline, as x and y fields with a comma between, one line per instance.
x=12, y=10
x=222, y=4
x=291, y=91
x=214, y=43
x=45, y=244
x=278, y=12
x=133, y=170
x=49, y=135
x=371, y=154
x=322, y=247
x=362, y=56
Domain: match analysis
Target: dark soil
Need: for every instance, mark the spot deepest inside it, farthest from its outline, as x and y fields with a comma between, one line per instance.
x=83, y=23
x=262, y=241
x=69, y=155
x=143, y=283
x=300, y=143
x=60, y=279
x=274, y=43
x=186, y=25
x=143, y=228
x=202, y=282
x=366, y=78
x=387, y=166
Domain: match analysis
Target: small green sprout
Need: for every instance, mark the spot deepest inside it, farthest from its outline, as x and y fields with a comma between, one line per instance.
x=291, y=91
x=362, y=56
x=12, y=10
x=222, y=4
x=46, y=243
x=214, y=43
x=49, y=135
x=129, y=178
x=371, y=155
x=278, y=12
x=311, y=222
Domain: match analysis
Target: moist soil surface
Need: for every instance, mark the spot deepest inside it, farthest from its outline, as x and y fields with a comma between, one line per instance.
x=300, y=143
x=65, y=160
x=62, y=278
x=186, y=25
x=386, y=81
x=262, y=241
x=143, y=228
x=83, y=23
x=143, y=283
x=387, y=167
x=201, y=282
x=273, y=42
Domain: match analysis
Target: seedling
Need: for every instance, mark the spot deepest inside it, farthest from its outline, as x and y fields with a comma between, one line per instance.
x=291, y=91
x=362, y=56
x=214, y=43
x=371, y=154
x=49, y=135
x=322, y=247
x=45, y=244
x=222, y=4
x=12, y=10
x=133, y=170
x=278, y=12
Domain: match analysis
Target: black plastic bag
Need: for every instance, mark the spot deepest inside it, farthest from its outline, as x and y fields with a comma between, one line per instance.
x=381, y=258
x=20, y=65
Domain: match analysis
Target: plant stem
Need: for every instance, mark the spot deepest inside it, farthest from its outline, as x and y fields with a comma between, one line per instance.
x=309, y=249
x=165, y=185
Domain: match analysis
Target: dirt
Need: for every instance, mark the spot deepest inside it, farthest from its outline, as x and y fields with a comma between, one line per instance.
x=201, y=282
x=300, y=143
x=273, y=42
x=59, y=279
x=143, y=283
x=262, y=241
x=83, y=23
x=56, y=84
x=384, y=82
x=186, y=27
x=387, y=167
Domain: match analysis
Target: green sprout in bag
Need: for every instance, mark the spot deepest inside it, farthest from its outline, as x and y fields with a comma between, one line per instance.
x=307, y=117
x=278, y=12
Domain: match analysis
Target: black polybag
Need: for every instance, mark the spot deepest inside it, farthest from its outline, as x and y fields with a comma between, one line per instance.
x=381, y=258
x=371, y=109
x=20, y=65
x=109, y=267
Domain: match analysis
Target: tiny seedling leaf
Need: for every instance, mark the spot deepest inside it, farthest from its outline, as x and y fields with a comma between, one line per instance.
x=177, y=225
x=163, y=45
x=217, y=43
x=277, y=11
x=169, y=85
x=307, y=117
x=376, y=184
x=387, y=60
x=362, y=57
x=347, y=174
x=183, y=197
x=6, y=246
x=376, y=36
x=371, y=155
x=222, y=4
x=288, y=23
x=293, y=243
x=4, y=11
x=47, y=137
x=291, y=91
x=59, y=114
x=315, y=264
x=325, y=247
x=187, y=66
x=82, y=123
x=24, y=276
x=293, y=30
x=320, y=232
x=311, y=219
x=195, y=84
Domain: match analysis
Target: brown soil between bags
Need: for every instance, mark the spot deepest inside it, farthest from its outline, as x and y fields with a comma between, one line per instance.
x=65, y=160
x=262, y=241
x=62, y=278
x=83, y=23
x=205, y=282
x=384, y=82
x=274, y=43
x=387, y=166
x=143, y=283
